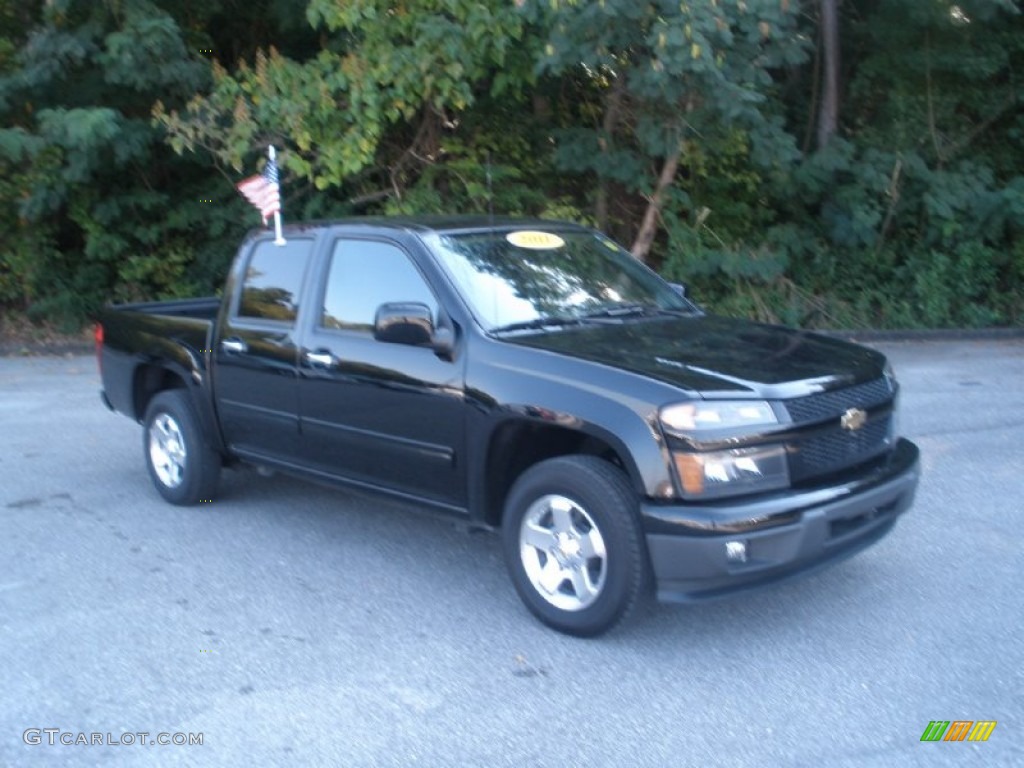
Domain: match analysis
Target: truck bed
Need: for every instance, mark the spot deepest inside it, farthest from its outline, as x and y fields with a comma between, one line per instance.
x=175, y=333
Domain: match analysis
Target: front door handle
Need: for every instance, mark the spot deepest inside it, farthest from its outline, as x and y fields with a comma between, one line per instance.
x=326, y=359
x=234, y=345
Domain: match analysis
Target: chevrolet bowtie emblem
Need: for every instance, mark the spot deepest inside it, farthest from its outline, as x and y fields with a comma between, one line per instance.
x=853, y=419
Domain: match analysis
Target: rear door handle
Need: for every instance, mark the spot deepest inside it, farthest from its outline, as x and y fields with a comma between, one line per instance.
x=234, y=345
x=326, y=359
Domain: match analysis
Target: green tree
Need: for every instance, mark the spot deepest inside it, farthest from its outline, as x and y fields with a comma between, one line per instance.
x=371, y=111
x=920, y=200
x=667, y=78
x=909, y=215
x=97, y=206
x=672, y=125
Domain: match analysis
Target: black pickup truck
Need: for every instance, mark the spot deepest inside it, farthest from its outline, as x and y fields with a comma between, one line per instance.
x=529, y=377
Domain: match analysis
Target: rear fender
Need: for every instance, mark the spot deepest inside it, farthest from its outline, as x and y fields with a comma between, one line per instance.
x=178, y=367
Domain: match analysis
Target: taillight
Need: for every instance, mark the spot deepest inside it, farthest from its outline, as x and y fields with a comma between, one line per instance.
x=97, y=334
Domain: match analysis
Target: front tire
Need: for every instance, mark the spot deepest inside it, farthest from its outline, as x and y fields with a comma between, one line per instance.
x=182, y=466
x=573, y=544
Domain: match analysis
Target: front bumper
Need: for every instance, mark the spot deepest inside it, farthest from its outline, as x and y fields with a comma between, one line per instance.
x=787, y=535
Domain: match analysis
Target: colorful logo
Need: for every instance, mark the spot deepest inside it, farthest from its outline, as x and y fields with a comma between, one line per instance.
x=959, y=730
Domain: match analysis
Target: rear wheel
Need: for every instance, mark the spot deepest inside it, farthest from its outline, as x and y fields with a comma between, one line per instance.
x=573, y=544
x=182, y=466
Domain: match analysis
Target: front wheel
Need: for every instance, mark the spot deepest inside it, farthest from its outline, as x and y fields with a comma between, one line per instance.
x=573, y=544
x=181, y=464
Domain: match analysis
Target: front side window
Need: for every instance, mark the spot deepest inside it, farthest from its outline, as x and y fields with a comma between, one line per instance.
x=273, y=280
x=365, y=274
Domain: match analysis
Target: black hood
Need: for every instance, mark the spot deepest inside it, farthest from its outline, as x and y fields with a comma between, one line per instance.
x=717, y=356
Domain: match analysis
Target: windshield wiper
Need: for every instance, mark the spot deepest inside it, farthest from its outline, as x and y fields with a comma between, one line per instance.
x=612, y=312
x=616, y=311
x=537, y=324
x=619, y=310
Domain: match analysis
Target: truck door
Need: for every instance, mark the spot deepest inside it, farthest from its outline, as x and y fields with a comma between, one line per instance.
x=381, y=414
x=256, y=354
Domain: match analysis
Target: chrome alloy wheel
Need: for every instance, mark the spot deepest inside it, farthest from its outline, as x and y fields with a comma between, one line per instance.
x=563, y=553
x=167, y=450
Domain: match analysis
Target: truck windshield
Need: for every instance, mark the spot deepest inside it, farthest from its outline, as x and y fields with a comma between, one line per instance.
x=531, y=279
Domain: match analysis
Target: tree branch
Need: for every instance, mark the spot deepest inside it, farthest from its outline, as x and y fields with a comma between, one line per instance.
x=649, y=227
x=828, y=117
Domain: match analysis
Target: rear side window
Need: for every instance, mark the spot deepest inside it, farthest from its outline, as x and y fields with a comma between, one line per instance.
x=273, y=280
x=365, y=274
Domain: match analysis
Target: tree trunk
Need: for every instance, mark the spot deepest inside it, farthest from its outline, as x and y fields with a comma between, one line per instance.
x=608, y=125
x=828, y=117
x=649, y=227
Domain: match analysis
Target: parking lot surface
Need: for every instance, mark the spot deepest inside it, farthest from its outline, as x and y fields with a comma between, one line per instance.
x=287, y=624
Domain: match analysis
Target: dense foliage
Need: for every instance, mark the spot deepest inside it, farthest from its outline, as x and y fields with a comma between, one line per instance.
x=819, y=163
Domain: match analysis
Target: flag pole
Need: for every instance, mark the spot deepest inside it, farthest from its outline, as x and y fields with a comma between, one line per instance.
x=278, y=238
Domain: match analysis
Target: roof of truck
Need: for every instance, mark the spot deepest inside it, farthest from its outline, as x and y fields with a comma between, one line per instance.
x=442, y=223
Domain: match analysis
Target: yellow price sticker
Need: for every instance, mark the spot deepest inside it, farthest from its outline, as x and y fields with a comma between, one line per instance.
x=538, y=241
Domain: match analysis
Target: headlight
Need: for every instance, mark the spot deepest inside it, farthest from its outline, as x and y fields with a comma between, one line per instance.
x=734, y=471
x=729, y=473
x=705, y=415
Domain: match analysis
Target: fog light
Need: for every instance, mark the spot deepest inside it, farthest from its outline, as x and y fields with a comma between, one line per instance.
x=736, y=551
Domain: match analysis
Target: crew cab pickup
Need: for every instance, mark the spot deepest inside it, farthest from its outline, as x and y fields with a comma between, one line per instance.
x=528, y=377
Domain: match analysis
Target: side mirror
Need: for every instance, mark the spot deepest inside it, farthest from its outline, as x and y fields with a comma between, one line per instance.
x=410, y=323
x=678, y=288
x=404, y=323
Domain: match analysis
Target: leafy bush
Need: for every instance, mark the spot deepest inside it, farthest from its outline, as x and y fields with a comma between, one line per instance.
x=127, y=122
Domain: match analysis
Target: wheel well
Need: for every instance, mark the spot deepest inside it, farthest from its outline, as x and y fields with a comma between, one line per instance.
x=517, y=446
x=149, y=381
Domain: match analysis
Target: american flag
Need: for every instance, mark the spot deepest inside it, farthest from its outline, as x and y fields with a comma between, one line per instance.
x=263, y=190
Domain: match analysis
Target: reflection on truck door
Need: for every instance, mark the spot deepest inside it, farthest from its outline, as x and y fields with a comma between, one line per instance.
x=256, y=356
x=389, y=415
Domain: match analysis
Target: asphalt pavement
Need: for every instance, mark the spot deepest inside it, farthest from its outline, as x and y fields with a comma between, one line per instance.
x=286, y=624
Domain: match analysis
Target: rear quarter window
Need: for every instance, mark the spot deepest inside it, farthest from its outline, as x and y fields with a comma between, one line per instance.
x=272, y=282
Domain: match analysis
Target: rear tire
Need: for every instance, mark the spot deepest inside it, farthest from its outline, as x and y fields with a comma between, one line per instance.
x=573, y=544
x=181, y=464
